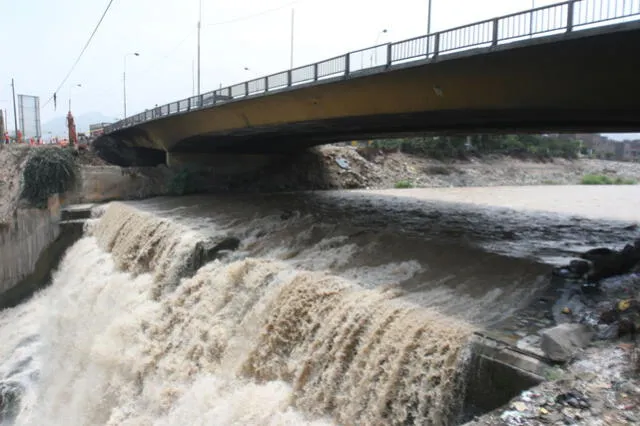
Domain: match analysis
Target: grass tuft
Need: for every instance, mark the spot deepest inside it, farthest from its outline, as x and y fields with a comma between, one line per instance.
x=403, y=184
x=606, y=180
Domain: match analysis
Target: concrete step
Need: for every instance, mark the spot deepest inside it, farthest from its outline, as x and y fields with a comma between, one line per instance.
x=73, y=225
x=498, y=371
x=76, y=211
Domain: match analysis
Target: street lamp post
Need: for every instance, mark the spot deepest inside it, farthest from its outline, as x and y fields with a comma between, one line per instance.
x=199, y=30
x=124, y=80
x=429, y=18
x=70, y=89
x=375, y=44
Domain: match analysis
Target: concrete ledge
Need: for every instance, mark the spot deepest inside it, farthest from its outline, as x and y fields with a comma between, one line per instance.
x=498, y=371
x=76, y=211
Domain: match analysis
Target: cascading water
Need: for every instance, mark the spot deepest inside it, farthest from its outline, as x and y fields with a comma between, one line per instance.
x=134, y=332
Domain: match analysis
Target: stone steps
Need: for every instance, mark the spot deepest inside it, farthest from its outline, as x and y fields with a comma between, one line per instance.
x=77, y=211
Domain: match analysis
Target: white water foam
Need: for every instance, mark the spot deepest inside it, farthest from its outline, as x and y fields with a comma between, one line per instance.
x=251, y=341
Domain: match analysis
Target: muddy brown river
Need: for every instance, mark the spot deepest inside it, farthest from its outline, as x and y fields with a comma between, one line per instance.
x=322, y=307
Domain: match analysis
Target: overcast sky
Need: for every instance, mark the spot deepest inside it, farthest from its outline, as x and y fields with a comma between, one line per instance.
x=42, y=39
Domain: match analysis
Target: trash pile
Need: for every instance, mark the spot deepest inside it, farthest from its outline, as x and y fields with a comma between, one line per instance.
x=596, y=378
x=600, y=389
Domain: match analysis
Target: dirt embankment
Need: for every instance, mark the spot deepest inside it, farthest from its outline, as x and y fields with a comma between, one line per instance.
x=12, y=161
x=381, y=171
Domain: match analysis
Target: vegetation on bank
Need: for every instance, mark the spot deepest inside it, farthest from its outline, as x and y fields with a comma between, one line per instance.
x=403, y=184
x=48, y=171
x=461, y=147
x=606, y=180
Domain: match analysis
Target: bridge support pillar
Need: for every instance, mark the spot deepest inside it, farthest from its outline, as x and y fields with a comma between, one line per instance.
x=222, y=164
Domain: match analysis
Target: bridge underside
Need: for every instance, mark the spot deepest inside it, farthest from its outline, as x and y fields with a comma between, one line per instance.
x=585, y=81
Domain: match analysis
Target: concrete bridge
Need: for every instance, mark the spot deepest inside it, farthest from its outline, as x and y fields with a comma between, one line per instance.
x=568, y=67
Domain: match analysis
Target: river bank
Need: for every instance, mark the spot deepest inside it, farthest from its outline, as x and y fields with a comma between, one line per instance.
x=326, y=167
x=379, y=170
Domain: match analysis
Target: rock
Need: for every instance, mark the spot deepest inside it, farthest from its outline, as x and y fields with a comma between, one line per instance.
x=625, y=327
x=595, y=254
x=580, y=267
x=573, y=399
x=561, y=272
x=561, y=342
x=607, y=331
x=608, y=263
x=205, y=252
x=590, y=288
x=609, y=316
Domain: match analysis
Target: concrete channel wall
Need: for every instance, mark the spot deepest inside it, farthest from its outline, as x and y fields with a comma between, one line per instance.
x=23, y=241
x=33, y=243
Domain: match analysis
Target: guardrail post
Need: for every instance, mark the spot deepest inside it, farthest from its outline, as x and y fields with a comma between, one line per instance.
x=200, y=101
x=189, y=104
x=315, y=72
x=289, y=78
x=436, y=45
x=266, y=84
x=570, y=16
x=346, y=64
x=389, y=54
x=246, y=88
x=496, y=26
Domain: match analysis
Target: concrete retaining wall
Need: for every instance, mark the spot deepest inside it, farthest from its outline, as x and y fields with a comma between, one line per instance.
x=32, y=244
x=105, y=183
x=23, y=241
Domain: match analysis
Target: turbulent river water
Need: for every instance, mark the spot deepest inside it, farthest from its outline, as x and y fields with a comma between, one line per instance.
x=311, y=308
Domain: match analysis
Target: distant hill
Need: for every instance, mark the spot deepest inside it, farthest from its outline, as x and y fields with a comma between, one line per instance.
x=58, y=126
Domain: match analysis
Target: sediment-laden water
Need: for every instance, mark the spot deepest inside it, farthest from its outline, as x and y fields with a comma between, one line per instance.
x=332, y=308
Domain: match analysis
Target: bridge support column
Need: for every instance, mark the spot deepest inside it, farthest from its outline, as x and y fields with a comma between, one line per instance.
x=222, y=164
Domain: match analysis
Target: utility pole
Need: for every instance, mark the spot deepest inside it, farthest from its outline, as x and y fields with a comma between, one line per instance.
x=15, y=114
x=124, y=88
x=429, y=18
x=124, y=81
x=293, y=11
x=199, y=29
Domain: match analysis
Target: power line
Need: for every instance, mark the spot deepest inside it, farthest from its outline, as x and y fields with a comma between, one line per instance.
x=81, y=53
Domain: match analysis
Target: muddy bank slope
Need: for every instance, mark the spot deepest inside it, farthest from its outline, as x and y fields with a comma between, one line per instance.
x=383, y=170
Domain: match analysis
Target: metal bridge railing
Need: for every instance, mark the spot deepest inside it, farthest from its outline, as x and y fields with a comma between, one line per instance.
x=569, y=16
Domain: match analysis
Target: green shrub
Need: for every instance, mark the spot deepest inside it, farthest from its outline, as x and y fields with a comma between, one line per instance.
x=622, y=181
x=606, y=180
x=403, y=184
x=596, y=180
x=48, y=171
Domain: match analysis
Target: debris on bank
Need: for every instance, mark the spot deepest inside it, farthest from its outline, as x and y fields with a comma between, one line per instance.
x=596, y=380
x=350, y=167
